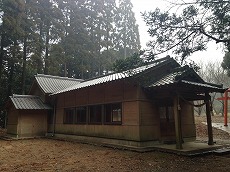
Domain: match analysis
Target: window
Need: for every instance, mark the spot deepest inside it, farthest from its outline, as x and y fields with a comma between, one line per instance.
x=81, y=115
x=113, y=113
x=69, y=116
x=95, y=114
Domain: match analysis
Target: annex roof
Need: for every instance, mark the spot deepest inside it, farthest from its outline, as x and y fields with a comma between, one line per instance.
x=115, y=76
x=51, y=84
x=28, y=102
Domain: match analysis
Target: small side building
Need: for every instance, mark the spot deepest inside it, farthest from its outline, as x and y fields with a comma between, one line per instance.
x=30, y=115
x=27, y=116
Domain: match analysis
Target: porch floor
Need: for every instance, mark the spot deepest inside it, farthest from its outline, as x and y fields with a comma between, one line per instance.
x=193, y=148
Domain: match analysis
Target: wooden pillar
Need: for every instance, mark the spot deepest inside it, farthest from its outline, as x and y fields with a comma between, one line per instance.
x=226, y=108
x=209, y=120
x=176, y=108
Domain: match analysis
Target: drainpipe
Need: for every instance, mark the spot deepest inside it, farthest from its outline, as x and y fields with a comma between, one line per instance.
x=54, y=117
x=5, y=119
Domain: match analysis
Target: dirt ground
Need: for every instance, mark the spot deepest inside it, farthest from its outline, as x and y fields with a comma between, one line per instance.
x=52, y=155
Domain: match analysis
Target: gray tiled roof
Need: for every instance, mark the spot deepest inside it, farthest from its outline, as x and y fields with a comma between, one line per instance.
x=113, y=76
x=178, y=77
x=28, y=102
x=168, y=79
x=177, y=74
x=52, y=84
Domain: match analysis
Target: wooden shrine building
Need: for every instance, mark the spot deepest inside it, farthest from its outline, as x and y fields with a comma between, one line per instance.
x=136, y=108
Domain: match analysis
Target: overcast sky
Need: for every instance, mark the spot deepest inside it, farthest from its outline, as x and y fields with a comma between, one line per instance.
x=213, y=53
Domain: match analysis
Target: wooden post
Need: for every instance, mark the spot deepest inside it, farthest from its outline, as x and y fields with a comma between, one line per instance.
x=209, y=120
x=176, y=108
x=226, y=108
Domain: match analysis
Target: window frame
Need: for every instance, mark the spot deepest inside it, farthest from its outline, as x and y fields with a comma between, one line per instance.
x=89, y=114
x=65, y=120
x=112, y=107
x=76, y=121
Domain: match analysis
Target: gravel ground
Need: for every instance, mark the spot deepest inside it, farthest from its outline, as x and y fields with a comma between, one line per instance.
x=52, y=155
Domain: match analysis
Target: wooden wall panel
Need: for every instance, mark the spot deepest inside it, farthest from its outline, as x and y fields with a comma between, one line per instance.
x=60, y=100
x=187, y=113
x=70, y=98
x=188, y=130
x=130, y=114
x=12, y=116
x=59, y=116
x=82, y=97
x=12, y=122
x=143, y=95
x=12, y=129
x=97, y=94
x=101, y=131
x=130, y=91
x=32, y=123
x=148, y=133
x=148, y=113
x=187, y=120
x=114, y=92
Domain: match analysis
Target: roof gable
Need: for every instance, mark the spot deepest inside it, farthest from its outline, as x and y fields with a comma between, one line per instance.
x=50, y=84
x=176, y=75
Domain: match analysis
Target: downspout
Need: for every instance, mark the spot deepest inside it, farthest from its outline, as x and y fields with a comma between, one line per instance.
x=5, y=119
x=54, y=117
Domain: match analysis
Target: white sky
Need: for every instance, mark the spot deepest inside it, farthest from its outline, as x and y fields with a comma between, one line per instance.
x=213, y=53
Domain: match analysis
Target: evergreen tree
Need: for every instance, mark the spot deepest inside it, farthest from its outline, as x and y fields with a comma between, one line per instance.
x=226, y=62
x=127, y=39
x=74, y=38
x=11, y=38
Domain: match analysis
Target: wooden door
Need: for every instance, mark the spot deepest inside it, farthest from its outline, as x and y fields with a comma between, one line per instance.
x=167, y=124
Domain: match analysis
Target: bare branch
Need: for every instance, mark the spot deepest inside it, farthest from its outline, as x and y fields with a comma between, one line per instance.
x=178, y=43
x=214, y=38
x=194, y=3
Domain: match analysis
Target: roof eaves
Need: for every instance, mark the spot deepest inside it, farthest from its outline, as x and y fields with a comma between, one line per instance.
x=205, y=85
x=28, y=102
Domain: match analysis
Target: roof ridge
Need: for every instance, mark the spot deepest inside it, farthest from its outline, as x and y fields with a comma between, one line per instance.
x=58, y=77
x=132, y=69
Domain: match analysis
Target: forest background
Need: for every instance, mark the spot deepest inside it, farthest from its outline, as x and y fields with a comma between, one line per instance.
x=72, y=38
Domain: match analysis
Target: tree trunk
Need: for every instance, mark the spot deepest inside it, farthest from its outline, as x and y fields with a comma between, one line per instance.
x=24, y=66
x=1, y=56
x=46, y=69
x=39, y=61
x=11, y=68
